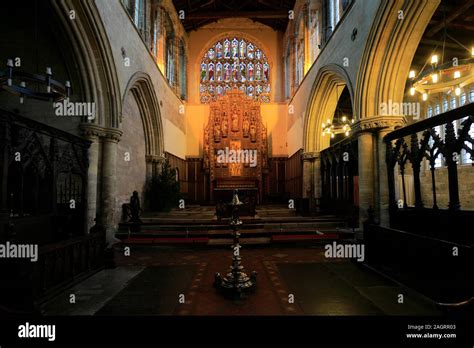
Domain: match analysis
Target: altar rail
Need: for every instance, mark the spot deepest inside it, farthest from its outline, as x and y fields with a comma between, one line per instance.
x=339, y=180
x=408, y=148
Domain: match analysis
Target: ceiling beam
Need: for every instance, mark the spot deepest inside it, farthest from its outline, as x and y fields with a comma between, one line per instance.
x=235, y=14
x=266, y=3
x=462, y=25
x=435, y=43
x=460, y=10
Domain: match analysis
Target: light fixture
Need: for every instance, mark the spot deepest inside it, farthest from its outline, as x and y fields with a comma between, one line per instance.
x=54, y=91
x=342, y=123
x=34, y=84
x=443, y=76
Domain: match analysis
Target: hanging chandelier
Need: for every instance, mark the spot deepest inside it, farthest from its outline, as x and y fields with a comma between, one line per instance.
x=445, y=78
x=15, y=82
x=33, y=85
x=449, y=77
x=342, y=124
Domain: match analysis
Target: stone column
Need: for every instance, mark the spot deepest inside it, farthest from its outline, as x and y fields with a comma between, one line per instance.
x=92, y=133
x=366, y=175
x=373, y=181
x=109, y=177
x=383, y=199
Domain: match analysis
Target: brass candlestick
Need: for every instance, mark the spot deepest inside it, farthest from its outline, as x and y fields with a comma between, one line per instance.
x=236, y=282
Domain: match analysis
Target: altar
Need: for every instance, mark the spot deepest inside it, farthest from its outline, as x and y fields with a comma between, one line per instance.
x=235, y=149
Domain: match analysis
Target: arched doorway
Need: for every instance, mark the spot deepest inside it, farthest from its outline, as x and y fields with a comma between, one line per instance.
x=330, y=178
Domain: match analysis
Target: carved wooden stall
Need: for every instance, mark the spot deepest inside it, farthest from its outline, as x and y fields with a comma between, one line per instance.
x=43, y=180
x=340, y=180
x=235, y=148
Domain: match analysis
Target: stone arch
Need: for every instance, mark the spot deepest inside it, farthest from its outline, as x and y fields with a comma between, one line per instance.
x=389, y=51
x=141, y=87
x=322, y=104
x=88, y=39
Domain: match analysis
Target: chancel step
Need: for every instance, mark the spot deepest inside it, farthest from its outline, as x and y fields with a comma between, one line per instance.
x=191, y=226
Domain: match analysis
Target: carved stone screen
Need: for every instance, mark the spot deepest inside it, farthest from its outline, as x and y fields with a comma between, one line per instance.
x=234, y=63
x=235, y=143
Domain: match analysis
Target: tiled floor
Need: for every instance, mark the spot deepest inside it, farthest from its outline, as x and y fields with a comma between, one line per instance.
x=291, y=281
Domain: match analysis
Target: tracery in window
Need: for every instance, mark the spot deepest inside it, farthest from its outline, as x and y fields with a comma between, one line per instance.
x=234, y=63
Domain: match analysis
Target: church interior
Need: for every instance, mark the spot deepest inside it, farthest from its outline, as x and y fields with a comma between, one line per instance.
x=237, y=158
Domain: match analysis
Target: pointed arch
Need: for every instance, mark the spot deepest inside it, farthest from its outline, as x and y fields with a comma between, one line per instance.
x=327, y=88
x=389, y=51
x=93, y=54
x=141, y=87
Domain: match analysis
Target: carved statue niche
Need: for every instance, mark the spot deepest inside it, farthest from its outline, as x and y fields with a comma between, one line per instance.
x=225, y=126
x=235, y=121
x=246, y=125
x=217, y=133
x=253, y=133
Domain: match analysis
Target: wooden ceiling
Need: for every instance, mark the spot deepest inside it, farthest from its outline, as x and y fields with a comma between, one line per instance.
x=458, y=18
x=273, y=13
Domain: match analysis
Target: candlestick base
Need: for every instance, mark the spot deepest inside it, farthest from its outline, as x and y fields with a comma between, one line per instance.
x=235, y=284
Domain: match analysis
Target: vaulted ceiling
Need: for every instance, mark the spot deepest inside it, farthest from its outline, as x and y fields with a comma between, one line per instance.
x=273, y=13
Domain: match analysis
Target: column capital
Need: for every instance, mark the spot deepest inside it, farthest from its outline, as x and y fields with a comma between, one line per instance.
x=307, y=156
x=93, y=131
x=112, y=134
x=155, y=158
x=376, y=123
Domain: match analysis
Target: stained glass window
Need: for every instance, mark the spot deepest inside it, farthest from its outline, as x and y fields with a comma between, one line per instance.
x=234, y=63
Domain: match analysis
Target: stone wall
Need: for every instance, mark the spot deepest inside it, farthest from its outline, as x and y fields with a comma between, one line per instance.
x=339, y=47
x=126, y=42
x=131, y=167
x=466, y=187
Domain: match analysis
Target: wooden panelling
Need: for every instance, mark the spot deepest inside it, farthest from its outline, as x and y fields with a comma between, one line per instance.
x=294, y=175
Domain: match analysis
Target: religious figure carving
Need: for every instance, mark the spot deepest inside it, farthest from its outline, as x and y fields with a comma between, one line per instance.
x=235, y=122
x=225, y=127
x=246, y=127
x=253, y=133
x=238, y=117
x=217, y=133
